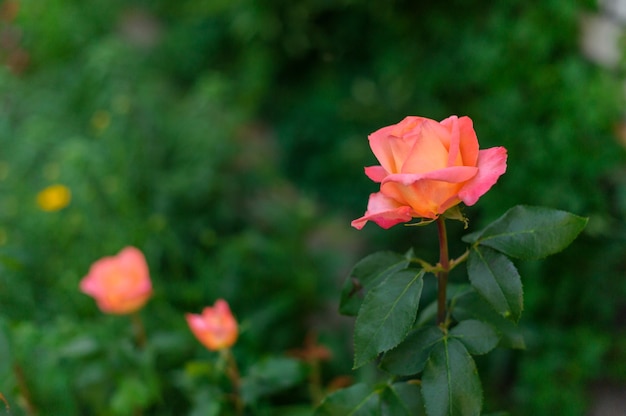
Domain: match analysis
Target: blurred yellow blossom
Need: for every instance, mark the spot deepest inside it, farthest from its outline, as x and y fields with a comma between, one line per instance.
x=4, y=170
x=101, y=120
x=54, y=198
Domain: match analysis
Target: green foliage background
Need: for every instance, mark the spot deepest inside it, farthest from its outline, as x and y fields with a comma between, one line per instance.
x=226, y=139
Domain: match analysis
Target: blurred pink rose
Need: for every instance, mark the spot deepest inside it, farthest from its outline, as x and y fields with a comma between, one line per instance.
x=120, y=284
x=427, y=167
x=215, y=328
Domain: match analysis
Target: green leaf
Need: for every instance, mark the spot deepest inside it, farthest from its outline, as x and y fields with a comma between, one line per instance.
x=207, y=402
x=366, y=274
x=495, y=277
x=356, y=400
x=80, y=347
x=271, y=375
x=391, y=405
x=527, y=232
x=411, y=355
x=387, y=315
x=411, y=397
x=398, y=399
x=402, y=399
x=478, y=337
x=450, y=386
x=455, y=213
x=473, y=306
x=6, y=359
x=130, y=395
x=428, y=314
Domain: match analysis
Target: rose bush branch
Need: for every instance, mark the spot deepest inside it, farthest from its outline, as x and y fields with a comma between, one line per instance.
x=442, y=275
x=427, y=168
x=6, y=403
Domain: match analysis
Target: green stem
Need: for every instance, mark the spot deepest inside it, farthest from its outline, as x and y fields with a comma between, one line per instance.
x=139, y=330
x=22, y=386
x=442, y=275
x=6, y=403
x=315, y=383
x=235, y=379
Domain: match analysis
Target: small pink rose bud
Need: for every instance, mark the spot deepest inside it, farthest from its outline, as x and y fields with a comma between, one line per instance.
x=120, y=284
x=215, y=328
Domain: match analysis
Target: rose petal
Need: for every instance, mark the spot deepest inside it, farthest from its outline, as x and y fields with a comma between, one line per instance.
x=392, y=144
x=454, y=153
x=429, y=151
x=455, y=174
x=491, y=165
x=429, y=194
x=424, y=197
x=389, y=150
x=376, y=173
x=408, y=124
x=384, y=211
x=216, y=328
x=120, y=284
x=468, y=142
x=132, y=260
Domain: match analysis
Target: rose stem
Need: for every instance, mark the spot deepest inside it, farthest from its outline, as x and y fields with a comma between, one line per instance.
x=233, y=374
x=139, y=330
x=22, y=386
x=442, y=275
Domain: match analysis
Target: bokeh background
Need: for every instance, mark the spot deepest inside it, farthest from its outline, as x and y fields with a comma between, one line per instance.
x=226, y=139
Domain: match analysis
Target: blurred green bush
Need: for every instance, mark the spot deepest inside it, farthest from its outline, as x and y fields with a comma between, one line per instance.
x=226, y=139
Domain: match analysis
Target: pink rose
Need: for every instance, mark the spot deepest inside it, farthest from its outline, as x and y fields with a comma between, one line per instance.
x=215, y=328
x=427, y=167
x=120, y=284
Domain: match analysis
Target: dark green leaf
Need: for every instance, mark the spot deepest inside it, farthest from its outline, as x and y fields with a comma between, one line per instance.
x=270, y=376
x=411, y=355
x=391, y=405
x=495, y=277
x=527, y=232
x=206, y=402
x=411, y=396
x=131, y=394
x=356, y=400
x=387, y=315
x=428, y=314
x=401, y=399
x=473, y=306
x=81, y=346
x=366, y=274
x=450, y=386
x=5, y=352
x=478, y=337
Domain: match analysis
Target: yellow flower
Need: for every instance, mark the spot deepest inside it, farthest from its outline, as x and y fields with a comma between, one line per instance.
x=54, y=198
x=101, y=120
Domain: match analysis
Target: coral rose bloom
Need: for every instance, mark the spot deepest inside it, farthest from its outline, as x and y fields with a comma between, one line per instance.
x=215, y=328
x=427, y=167
x=120, y=284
